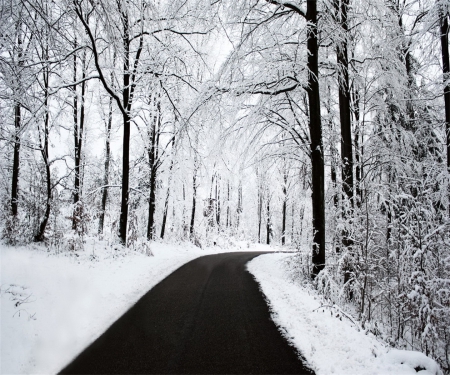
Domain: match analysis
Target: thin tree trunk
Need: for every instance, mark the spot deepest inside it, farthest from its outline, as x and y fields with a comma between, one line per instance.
x=283, y=224
x=218, y=202
x=107, y=161
x=194, y=198
x=166, y=203
x=78, y=139
x=152, y=156
x=16, y=161
x=315, y=128
x=444, y=28
x=44, y=151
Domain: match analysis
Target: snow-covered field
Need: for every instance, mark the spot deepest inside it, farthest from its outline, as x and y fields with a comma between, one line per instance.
x=54, y=305
x=328, y=340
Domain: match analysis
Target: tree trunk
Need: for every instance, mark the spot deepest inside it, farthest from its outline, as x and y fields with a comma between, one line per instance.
x=152, y=157
x=283, y=224
x=40, y=236
x=166, y=203
x=126, y=133
x=446, y=76
x=194, y=199
x=17, y=124
x=101, y=220
x=78, y=139
x=16, y=161
x=315, y=128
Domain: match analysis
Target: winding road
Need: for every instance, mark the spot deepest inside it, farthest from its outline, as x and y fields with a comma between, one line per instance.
x=209, y=316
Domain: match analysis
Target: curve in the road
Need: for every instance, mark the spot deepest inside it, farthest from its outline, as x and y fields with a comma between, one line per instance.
x=209, y=316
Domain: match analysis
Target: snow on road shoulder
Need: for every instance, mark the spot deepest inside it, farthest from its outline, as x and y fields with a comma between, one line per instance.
x=54, y=305
x=330, y=344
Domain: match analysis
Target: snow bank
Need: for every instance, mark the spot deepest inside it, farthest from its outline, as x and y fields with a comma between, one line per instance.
x=54, y=305
x=325, y=337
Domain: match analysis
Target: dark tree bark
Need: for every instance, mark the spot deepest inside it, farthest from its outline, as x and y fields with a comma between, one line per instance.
x=17, y=129
x=166, y=203
x=284, y=209
x=315, y=128
x=194, y=199
x=16, y=161
x=239, y=206
x=218, y=202
x=446, y=76
x=40, y=236
x=341, y=7
x=153, y=161
x=78, y=137
x=101, y=220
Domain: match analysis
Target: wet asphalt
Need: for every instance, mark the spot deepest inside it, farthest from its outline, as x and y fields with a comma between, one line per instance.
x=208, y=317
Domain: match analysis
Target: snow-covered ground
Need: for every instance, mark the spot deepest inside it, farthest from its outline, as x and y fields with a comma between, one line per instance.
x=327, y=339
x=54, y=305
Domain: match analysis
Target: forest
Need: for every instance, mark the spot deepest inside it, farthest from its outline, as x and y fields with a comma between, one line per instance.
x=320, y=126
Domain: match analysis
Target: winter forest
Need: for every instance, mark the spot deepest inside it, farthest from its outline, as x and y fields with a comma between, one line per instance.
x=320, y=126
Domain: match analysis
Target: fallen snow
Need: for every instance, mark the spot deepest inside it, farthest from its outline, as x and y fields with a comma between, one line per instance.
x=329, y=341
x=55, y=305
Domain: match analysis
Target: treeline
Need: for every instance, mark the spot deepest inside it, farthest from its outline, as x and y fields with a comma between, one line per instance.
x=216, y=121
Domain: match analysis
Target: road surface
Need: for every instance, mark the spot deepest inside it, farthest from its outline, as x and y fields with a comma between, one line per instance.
x=209, y=316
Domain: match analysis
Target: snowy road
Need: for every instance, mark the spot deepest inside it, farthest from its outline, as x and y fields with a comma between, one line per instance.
x=207, y=317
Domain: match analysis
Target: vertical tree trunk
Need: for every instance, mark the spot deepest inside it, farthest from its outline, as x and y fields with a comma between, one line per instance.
x=101, y=220
x=239, y=206
x=166, y=203
x=123, y=221
x=446, y=76
x=17, y=124
x=40, y=236
x=16, y=161
x=78, y=138
x=152, y=156
x=284, y=209
x=194, y=200
x=218, y=202
x=315, y=128
x=341, y=7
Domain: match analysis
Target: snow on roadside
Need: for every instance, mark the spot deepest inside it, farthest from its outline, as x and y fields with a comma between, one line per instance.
x=329, y=342
x=54, y=305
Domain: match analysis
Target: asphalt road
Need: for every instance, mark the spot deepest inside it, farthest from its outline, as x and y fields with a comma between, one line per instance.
x=209, y=316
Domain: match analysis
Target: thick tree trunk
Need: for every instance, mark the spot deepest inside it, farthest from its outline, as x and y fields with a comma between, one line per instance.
x=16, y=161
x=344, y=103
x=315, y=128
x=260, y=203
x=125, y=180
